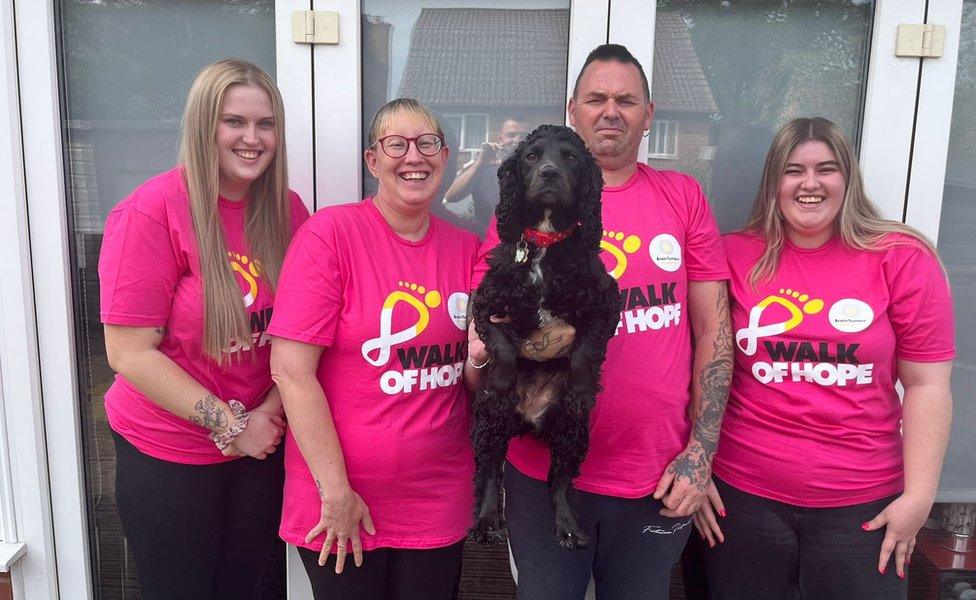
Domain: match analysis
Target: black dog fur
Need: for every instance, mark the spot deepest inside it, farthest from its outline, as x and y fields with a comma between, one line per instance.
x=550, y=182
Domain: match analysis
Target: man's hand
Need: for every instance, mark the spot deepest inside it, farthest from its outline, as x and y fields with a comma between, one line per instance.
x=682, y=487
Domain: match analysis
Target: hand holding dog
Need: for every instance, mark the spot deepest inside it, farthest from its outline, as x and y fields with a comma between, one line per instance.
x=682, y=488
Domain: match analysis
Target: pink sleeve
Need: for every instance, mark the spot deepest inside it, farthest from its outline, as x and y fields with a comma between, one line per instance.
x=920, y=306
x=481, y=261
x=137, y=269
x=309, y=295
x=704, y=254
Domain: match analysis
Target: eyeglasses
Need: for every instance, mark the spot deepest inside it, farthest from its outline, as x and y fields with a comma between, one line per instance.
x=396, y=146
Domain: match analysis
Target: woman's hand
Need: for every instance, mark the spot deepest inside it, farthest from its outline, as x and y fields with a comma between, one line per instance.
x=342, y=513
x=261, y=436
x=902, y=519
x=705, y=518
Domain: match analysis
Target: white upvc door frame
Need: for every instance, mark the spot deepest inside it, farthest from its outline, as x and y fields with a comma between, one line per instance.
x=933, y=122
x=38, y=315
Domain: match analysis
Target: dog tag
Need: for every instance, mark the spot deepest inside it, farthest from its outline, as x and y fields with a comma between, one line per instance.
x=521, y=251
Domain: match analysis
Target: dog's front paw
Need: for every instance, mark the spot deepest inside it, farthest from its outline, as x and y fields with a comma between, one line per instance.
x=572, y=538
x=488, y=532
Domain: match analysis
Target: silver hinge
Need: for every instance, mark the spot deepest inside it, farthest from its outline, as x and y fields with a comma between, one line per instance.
x=315, y=27
x=924, y=41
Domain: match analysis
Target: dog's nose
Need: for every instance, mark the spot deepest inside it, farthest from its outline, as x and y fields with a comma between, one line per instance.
x=549, y=172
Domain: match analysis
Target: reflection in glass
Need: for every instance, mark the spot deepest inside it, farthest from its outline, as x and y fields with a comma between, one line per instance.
x=958, y=250
x=728, y=74
x=491, y=74
x=127, y=67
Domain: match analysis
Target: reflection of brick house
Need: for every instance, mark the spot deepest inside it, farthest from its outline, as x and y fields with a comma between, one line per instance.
x=482, y=64
x=478, y=66
x=683, y=101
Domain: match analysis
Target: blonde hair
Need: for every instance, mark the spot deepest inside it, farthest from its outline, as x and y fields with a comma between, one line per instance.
x=400, y=107
x=267, y=219
x=859, y=223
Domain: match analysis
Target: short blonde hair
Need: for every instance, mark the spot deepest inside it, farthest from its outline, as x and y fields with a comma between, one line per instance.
x=859, y=223
x=400, y=107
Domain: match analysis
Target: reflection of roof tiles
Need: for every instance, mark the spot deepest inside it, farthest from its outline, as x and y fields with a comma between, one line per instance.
x=679, y=82
x=513, y=57
x=488, y=57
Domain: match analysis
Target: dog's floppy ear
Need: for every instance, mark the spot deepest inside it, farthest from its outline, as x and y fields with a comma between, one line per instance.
x=589, y=189
x=510, y=198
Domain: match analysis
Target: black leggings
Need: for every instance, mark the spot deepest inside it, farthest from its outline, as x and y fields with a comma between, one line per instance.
x=198, y=532
x=387, y=574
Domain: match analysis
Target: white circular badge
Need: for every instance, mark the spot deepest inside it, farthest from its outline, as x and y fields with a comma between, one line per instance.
x=850, y=315
x=457, y=307
x=665, y=252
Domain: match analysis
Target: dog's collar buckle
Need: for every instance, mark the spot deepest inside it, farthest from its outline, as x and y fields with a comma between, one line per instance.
x=542, y=239
x=521, y=250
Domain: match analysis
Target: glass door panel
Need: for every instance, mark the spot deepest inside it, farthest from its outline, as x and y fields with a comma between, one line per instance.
x=957, y=246
x=728, y=74
x=487, y=68
x=127, y=67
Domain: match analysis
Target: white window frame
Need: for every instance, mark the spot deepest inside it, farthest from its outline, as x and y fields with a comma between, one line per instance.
x=464, y=129
x=657, y=139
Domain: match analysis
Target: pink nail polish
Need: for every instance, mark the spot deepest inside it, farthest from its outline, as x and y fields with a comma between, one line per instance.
x=721, y=513
x=901, y=575
x=883, y=569
x=865, y=526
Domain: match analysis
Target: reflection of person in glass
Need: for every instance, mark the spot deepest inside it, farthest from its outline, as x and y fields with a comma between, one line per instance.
x=648, y=461
x=369, y=353
x=825, y=474
x=188, y=268
x=479, y=177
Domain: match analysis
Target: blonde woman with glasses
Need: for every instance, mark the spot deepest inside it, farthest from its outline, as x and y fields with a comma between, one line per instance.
x=369, y=354
x=188, y=269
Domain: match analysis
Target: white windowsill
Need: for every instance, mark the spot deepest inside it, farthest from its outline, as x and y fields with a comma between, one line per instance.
x=9, y=553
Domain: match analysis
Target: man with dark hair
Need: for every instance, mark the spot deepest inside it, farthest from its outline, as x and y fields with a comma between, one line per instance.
x=655, y=427
x=479, y=177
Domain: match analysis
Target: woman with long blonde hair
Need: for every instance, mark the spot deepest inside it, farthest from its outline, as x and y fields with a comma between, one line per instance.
x=188, y=269
x=823, y=475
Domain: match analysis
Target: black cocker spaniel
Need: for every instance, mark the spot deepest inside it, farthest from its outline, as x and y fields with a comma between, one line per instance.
x=546, y=268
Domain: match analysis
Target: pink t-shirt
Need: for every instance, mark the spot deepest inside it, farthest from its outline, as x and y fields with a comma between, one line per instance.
x=660, y=234
x=149, y=271
x=390, y=313
x=813, y=417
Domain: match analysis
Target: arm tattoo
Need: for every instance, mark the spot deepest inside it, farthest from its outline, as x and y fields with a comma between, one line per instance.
x=159, y=330
x=714, y=380
x=318, y=486
x=209, y=414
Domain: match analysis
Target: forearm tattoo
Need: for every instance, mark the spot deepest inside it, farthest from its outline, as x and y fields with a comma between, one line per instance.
x=714, y=380
x=159, y=330
x=318, y=486
x=209, y=414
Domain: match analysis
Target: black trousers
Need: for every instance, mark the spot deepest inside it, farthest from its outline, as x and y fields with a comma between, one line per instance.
x=772, y=550
x=632, y=547
x=198, y=532
x=387, y=574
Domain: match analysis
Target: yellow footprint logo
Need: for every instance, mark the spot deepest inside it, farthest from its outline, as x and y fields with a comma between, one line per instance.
x=786, y=298
x=249, y=270
x=619, y=245
x=421, y=299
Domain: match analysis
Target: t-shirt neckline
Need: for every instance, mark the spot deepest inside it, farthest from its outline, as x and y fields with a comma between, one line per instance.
x=373, y=210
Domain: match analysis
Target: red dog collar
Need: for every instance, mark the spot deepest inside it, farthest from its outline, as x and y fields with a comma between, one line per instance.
x=543, y=239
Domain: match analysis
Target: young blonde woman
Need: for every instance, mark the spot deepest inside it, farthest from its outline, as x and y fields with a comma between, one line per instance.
x=188, y=268
x=823, y=476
